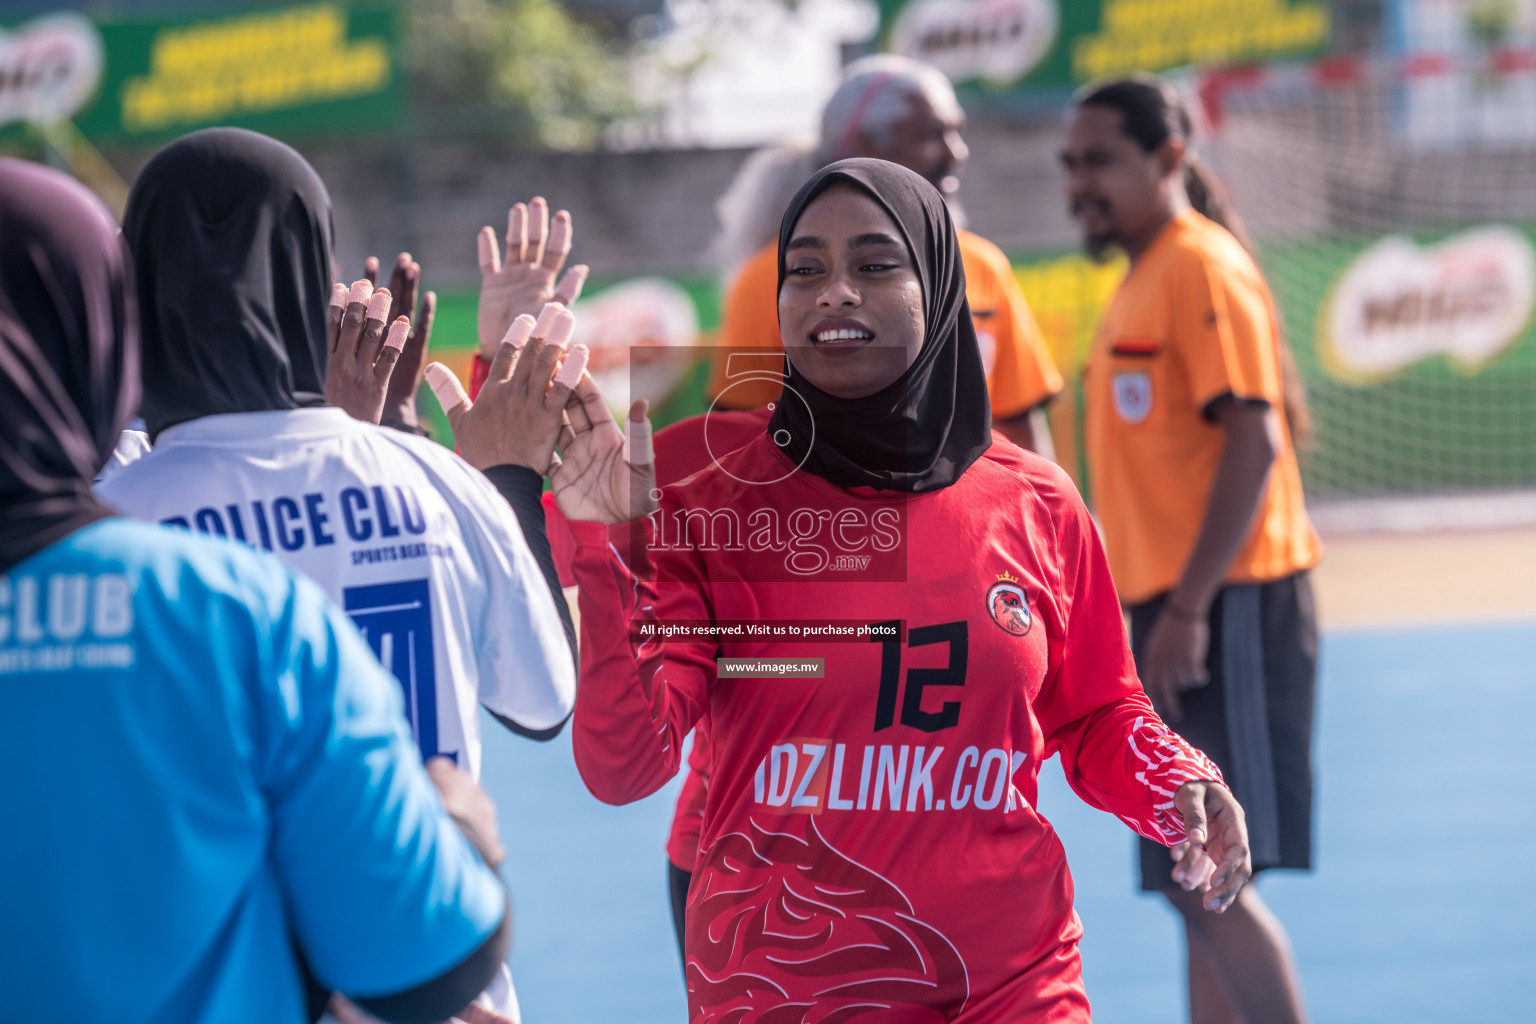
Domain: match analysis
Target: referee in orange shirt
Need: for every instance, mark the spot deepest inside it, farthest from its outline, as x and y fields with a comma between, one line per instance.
x=1194, y=475
x=894, y=108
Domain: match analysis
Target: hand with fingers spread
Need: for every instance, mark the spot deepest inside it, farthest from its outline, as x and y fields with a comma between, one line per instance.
x=362, y=359
x=404, y=284
x=523, y=280
x=602, y=475
x=1215, y=858
x=517, y=417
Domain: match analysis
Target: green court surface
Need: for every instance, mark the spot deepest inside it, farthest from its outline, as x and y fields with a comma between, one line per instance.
x=1422, y=907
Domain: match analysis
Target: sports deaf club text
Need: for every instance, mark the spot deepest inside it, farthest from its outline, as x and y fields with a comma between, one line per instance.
x=64, y=622
x=812, y=540
x=809, y=776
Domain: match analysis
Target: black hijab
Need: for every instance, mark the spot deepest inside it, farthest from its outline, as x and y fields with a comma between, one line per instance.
x=231, y=238
x=69, y=373
x=925, y=429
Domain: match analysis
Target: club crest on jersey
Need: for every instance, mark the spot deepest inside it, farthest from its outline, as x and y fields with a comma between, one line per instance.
x=1133, y=396
x=1008, y=605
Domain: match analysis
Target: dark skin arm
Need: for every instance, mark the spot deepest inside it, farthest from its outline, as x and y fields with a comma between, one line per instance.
x=1174, y=659
x=1020, y=430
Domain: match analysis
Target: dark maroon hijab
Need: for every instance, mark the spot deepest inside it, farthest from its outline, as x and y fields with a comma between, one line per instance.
x=69, y=355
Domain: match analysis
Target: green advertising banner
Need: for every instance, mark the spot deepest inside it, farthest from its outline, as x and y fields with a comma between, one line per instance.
x=282, y=70
x=1418, y=351
x=1008, y=45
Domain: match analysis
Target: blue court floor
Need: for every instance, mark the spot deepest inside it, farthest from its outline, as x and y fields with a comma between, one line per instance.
x=1422, y=907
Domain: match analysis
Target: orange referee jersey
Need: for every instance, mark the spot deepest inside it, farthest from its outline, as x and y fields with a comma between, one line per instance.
x=1020, y=372
x=1192, y=321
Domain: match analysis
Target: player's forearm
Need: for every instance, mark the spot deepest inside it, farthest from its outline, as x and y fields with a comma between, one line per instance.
x=1123, y=759
x=628, y=729
x=1236, y=493
x=522, y=488
x=453, y=990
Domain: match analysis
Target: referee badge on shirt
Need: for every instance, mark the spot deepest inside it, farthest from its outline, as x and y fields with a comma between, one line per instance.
x=1008, y=605
x=1133, y=395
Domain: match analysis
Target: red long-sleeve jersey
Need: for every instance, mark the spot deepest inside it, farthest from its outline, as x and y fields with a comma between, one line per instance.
x=870, y=843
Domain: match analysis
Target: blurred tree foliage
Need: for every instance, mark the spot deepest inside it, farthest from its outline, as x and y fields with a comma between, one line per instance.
x=556, y=79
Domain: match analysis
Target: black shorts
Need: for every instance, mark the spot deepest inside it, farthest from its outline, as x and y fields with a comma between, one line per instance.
x=1254, y=718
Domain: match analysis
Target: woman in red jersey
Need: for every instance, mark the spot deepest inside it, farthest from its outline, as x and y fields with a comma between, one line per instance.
x=916, y=617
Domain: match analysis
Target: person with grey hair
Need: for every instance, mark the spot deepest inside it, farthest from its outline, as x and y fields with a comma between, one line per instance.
x=904, y=109
x=894, y=108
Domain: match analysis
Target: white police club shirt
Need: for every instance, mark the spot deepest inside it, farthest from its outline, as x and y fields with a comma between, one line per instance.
x=132, y=445
x=416, y=546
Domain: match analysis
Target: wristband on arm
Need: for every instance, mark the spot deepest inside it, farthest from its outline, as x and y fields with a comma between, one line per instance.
x=406, y=428
x=451, y=991
x=523, y=489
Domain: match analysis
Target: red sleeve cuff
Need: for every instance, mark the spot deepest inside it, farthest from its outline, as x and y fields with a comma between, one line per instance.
x=479, y=373
x=587, y=534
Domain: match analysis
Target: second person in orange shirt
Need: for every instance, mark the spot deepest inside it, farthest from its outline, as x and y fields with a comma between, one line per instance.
x=1196, y=485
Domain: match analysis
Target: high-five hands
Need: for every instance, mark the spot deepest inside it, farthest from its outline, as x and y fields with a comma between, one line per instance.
x=605, y=475
x=524, y=279
x=1214, y=858
x=362, y=357
x=404, y=283
x=539, y=397
x=517, y=417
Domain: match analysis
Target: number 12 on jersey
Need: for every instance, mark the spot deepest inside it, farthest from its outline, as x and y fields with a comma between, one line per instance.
x=396, y=620
x=953, y=634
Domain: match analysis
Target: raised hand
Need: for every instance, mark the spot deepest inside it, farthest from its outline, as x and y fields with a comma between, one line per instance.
x=362, y=359
x=524, y=280
x=404, y=283
x=520, y=411
x=600, y=475
x=1214, y=858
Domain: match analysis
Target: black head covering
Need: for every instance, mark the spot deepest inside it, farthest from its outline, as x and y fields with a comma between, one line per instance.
x=925, y=429
x=69, y=373
x=231, y=238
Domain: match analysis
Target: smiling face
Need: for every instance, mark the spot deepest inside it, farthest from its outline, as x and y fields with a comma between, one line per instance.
x=1116, y=191
x=851, y=306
